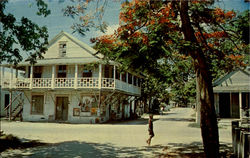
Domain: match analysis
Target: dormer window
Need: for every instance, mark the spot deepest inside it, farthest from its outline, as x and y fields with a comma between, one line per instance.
x=62, y=49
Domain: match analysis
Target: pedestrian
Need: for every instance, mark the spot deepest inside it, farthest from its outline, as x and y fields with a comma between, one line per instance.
x=150, y=129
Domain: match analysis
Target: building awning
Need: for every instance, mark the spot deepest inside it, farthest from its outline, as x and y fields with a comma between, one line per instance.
x=58, y=61
x=228, y=89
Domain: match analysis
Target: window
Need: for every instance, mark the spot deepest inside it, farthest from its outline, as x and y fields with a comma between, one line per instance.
x=62, y=49
x=62, y=71
x=37, y=104
x=87, y=73
x=124, y=77
x=117, y=75
x=129, y=78
x=38, y=71
x=106, y=71
x=6, y=100
x=135, y=82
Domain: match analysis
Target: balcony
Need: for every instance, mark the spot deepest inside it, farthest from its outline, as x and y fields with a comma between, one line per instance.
x=71, y=83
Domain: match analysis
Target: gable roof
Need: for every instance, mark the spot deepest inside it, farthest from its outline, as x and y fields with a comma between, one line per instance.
x=227, y=76
x=83, y=45
x=234, y=81
x=92, y=54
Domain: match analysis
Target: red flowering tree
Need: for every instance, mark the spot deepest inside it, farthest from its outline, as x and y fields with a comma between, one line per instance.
x=154, y=37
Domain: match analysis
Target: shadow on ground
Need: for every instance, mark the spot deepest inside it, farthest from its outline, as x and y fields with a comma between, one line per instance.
x=193, y=150
x=179, y=119
x=139, y=121
x=82, y=149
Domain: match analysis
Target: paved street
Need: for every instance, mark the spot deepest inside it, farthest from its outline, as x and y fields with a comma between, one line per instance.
x=126, y=139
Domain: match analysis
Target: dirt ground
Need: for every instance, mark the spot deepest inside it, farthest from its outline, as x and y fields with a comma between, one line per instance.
x=173, y=138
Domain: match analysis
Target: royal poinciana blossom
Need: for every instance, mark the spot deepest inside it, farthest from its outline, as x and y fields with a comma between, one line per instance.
x=144, y=24
x=158, y=34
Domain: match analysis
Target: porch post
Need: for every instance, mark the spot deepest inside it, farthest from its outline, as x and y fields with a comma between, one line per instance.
x=127, y=81
x=27, y=72
x=114, y=75
x=240, y=104
x=100, y=76
x=2, y=76
x=11, y=76
x=31, y=76
x=100, y=90
x=132, y=79
x=10, y=107
x=76, y=73
x=16, y=73
x=53, y=77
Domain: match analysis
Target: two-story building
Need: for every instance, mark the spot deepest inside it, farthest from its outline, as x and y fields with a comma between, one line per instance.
x=73, y=84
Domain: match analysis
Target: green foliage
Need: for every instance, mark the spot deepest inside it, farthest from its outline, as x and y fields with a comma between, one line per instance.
x=21, y=35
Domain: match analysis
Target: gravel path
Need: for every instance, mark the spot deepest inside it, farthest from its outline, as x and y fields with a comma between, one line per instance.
x=125, y=139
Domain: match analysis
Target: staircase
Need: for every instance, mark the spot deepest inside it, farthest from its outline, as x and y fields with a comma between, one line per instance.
x=16, y=111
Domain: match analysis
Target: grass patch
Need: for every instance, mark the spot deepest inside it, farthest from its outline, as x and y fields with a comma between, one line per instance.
x=8, y=141
x=194, y=125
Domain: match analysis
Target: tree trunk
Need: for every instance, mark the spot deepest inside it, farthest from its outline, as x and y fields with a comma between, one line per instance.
x=198, y=104
x=208, y=121
x=209, y=127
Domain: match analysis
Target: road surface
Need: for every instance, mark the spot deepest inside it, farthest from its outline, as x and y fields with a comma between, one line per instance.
x=125, y=139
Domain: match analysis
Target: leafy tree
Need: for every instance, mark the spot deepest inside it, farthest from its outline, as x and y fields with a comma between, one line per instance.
x=21, y=35
x=154, y=36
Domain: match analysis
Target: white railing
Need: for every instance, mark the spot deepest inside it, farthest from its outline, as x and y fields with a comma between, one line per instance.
x=64, y=82
x=22, y=83
x=108, y=83
x=41, y=82
x=93, y=82
x=87, y=82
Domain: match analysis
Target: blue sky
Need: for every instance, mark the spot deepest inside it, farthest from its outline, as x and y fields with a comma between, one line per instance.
x=56, y=22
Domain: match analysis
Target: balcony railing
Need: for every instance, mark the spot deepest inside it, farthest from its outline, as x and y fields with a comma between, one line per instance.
x=79, y=83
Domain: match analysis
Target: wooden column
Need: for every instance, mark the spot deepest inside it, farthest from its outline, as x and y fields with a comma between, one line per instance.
x=240, y=105
x=2, y=76
x=100, y=90
x=31, y=76
x=127, y=82
x=114, y=75
x=53, y=77
x=76, y=74
x=11, y=76
x=16, y=73
x=132, y=79
x=10, y=107
x=26, y=71
x=100, y=76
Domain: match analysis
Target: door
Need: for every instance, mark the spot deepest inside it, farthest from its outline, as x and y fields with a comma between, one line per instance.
x=62, y=108
x=224, y=105
x=235, y=105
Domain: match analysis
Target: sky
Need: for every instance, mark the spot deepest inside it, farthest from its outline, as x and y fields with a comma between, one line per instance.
x=56, y=22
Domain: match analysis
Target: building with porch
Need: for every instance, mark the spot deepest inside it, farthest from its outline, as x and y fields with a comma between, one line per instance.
x=231, y=94
x=72, y=84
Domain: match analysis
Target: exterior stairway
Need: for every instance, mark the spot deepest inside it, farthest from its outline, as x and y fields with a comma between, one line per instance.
x=17, y=110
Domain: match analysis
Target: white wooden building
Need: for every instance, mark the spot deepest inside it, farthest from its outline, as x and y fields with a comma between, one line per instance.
x=232, y=94
x=72, y=84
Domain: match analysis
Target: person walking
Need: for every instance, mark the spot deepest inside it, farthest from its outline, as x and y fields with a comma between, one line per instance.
x=150, y=129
